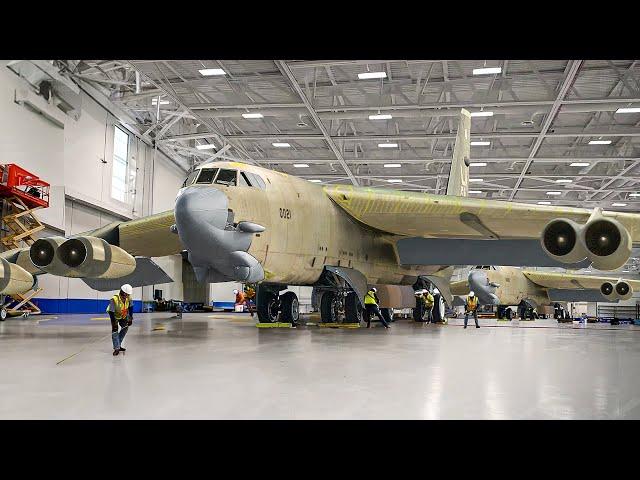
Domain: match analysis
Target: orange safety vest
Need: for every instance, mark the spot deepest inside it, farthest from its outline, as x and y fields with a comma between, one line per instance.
x=122, y=307
x=472, y=303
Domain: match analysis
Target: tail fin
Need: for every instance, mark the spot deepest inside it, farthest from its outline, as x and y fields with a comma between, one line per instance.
x=459, y=175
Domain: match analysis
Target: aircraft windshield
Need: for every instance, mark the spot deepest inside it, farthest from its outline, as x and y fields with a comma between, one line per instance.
x=227, y=177
x=207, y=175
x=190, y=178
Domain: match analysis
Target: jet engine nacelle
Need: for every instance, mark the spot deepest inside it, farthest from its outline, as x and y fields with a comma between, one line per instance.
x=95, y=258
x=81, y=257
x=621, y=290
x=14, y=279
x=604, y=241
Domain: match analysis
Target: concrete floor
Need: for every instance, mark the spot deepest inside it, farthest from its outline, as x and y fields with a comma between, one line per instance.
x=220, y=366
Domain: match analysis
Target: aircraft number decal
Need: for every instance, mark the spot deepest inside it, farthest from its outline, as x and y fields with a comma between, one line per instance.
x=285, y=213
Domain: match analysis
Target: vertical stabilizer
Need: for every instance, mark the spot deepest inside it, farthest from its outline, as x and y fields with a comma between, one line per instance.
x=459, y=175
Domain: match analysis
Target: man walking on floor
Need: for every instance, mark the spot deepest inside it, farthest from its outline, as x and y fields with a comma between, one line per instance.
x=371, y=307
x=120, y=311
x=471, y=306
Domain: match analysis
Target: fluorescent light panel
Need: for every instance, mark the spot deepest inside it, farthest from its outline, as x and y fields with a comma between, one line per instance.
x=301, y=165
x=628, y=110
x=599, y=142
x=392, y=165
x=478, y=164
x=544, y=203
x=315, y=181
x=563, y=180
x=634, y=194
x=387, y=145
x=482, y=114
x=580, y=164
x=154, y=101
x=206, y=146
x=281, y=144
x=208, y=72
x=252, y=115
x=480, y=144
x=384, y=116
x=487, y=70
x=554, y=193
x=394, y=180
x=368, y=75
x=475, y=191
x=476, y=180
x=618, y=204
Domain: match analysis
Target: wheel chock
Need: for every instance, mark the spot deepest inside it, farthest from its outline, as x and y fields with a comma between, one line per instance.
x=273, y=325
x=339, y=325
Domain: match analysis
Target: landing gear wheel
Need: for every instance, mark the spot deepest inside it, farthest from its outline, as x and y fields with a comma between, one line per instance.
x=3, y=314
x=352, y=308
x=268, y=307
x=500, y=312
x=290, y=308
x=330, y=307
x=509, y=314
x=438, y=309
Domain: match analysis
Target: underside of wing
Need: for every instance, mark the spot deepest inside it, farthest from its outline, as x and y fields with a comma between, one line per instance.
x=150, y=236
x=568, y=281
x=418, y=214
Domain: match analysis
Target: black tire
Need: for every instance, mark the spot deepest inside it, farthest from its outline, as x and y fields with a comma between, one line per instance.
x=438, y=311
x=509, y=314
x=329, y=308
x=352, y=308
x=289, y=308
x=267, y=307
x=3, y=314
x=387, y=314
x=500, y=312
x=419, y=311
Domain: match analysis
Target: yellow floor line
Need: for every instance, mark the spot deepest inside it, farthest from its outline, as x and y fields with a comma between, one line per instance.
x=100, y=318
x=90, y=343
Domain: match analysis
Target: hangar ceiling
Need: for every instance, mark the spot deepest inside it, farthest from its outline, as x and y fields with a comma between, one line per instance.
x=538, y=117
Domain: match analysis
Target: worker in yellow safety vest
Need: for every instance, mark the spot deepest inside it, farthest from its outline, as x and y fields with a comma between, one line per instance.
x=428, y=300
x=371, y=307
x=120, y=312
x=471, y=306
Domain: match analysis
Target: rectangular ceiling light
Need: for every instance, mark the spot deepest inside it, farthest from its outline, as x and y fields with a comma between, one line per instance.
x=476, y=180
x=580, y=164
x=617, y=204
x=482, y=114
x=563, y=180
x=209, y=72
x=281, y=144
x=387, y=145
x=544, y=203
x=554, y=193
x=487, y=70
x=480, y=144
x=154, y=101
x=394, y=180
x=368, y=75
x=392, y=165
x=206, y=146
x=634, y=194
x=475, y=191
x=384, y=116
x=478, y=164
x=301, y=165
x=252, y=115
x=599, y=142
x=315, y=180
x=628, y=110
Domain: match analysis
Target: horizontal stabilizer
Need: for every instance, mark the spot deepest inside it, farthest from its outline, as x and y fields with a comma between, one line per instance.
x=147, y=272
x=457, y=251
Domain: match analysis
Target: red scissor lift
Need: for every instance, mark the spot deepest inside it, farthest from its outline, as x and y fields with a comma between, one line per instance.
x=22, y=193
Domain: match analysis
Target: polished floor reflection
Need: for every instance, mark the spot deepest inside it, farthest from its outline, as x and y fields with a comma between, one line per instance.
x=220, y=366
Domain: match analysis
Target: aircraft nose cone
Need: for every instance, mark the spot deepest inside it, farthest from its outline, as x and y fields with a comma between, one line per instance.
x=201, y=204
x=479, y=283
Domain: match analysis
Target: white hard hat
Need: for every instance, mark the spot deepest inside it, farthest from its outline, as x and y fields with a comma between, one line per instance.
x=126, y=288
x=374, y=289
x=471, y=294
x=235, y=291
x=418, y=292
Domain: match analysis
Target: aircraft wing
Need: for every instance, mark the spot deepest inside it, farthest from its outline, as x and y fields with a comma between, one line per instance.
x=569, y=281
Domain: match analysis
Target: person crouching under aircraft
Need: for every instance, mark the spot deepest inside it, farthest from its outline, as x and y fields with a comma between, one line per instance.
x=120, y=311
x=371, y=307
x=471, y=306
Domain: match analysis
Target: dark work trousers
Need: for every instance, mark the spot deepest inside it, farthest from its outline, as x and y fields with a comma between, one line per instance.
x=118, y=337
x=372, y=309
x=475, y=316
x=427, y=314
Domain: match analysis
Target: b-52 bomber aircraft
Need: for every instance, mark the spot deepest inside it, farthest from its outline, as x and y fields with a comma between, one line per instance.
x=504, y=286
x=240, y=222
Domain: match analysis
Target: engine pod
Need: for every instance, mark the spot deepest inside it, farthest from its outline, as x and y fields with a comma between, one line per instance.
x=561, y=241
x=607, y=241
x=14, y=279
x=623, y=290
x=43, y=255
x=95, y=258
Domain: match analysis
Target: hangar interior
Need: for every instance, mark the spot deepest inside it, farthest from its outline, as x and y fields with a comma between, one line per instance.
x=116, y=139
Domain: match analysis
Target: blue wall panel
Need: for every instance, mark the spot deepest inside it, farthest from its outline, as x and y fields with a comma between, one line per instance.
x=77, y=305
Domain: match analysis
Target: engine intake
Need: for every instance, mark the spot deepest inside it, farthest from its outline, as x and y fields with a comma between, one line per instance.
x=620, y=291
x=14, y=279
x=43, y=255
x=561, y=241
x=95, y=258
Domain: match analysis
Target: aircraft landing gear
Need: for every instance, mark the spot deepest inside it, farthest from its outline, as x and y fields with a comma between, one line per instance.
x=504, y=312
x=340, y=307
x=273, y=307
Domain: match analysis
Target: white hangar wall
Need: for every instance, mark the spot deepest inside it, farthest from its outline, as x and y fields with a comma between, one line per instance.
x=77, y=161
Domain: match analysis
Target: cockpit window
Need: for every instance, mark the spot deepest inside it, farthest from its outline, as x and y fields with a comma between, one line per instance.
x=243, y=181
x=227, y=177
x=189, y=180
x=256, y=180
x=483, y=267
x=207, y=175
